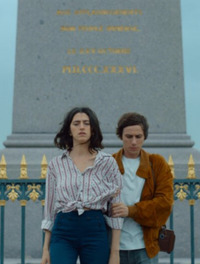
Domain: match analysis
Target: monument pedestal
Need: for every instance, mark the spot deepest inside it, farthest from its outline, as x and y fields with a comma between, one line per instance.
x=34, y=146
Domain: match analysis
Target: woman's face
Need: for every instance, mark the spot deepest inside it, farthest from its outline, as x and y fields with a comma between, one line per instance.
x=80, y=129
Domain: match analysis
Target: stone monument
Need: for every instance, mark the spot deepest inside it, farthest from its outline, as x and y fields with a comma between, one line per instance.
x=113, y=56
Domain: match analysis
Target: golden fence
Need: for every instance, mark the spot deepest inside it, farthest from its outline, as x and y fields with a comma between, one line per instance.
x=24, y=189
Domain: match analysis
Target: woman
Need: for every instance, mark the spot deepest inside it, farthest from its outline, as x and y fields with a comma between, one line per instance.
x=80, y=183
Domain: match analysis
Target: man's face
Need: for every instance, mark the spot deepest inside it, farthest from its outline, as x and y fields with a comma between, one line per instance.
x=133, y=139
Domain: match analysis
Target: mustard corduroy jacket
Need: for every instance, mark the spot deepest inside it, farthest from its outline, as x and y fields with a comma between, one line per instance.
x=156, y=200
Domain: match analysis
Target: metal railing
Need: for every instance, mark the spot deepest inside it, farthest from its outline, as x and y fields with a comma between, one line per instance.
x=25, y=189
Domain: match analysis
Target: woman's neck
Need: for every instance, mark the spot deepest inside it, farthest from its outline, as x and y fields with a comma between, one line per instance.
x=82, y=157
x=80, y=149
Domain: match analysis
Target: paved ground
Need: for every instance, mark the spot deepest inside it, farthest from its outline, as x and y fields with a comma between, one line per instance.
x=161, y=261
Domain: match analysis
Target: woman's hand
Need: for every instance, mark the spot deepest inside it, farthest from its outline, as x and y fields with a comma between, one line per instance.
x=45, y=257
x=119, y=210
x=114, y=257
x=45, y=254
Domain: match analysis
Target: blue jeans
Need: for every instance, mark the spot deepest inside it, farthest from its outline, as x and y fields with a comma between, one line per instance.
x=138, y=256
x=76, y=235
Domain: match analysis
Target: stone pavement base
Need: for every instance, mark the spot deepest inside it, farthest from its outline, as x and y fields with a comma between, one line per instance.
x=161, y=261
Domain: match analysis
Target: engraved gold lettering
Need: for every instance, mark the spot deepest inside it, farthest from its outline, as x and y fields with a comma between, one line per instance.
x=75, y=69
x=93, y=51
x=90, y=69
x=101, y=51
x=66, y=69
x=90, y=28
x=135, y=69
x=105, y=69
x=81, y=51
x=128, y=69
x=120, y=69
x=63, y=12
x=71, y=51
x=119, y=51
x=103, y=12
x=113, y=69
x=131, y=69
x=68, y=28
x=122, y=28
x=84, y=69
x=82, y=12
x=97, y=69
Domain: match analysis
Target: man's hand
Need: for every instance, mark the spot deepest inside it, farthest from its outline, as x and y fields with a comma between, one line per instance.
x=119, y=210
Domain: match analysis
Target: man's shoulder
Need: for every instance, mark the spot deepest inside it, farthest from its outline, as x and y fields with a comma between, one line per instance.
x=158, y=161
x=118, y=153
x=156, y=156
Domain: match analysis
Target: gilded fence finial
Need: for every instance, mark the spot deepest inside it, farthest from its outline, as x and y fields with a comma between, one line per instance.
x=171, y=165
x=3, y=171
x=23, y=169
x=44, y=165
x=191, y=168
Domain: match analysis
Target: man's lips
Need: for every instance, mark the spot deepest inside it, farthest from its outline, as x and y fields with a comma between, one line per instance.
x=133, y=148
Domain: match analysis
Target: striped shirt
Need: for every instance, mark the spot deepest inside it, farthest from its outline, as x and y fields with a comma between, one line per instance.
x=67, y=189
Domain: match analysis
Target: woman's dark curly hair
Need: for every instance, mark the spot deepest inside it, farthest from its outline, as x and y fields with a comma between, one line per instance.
x=64, y=140
x=132, y=119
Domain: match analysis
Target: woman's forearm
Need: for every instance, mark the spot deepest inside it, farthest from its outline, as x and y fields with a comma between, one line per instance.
x=114, y=249
x=46, y=254
x=47, y=239
x=115, y=239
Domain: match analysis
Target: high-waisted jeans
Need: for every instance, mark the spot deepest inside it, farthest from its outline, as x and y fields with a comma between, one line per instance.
x=83, y=236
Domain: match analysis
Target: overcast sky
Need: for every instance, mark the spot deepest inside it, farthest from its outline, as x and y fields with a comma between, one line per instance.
x=191, y=54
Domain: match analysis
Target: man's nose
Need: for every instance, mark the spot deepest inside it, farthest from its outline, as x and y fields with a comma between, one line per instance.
x=133, y=140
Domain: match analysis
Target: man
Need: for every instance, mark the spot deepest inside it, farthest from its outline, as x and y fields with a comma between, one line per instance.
x=147, y=194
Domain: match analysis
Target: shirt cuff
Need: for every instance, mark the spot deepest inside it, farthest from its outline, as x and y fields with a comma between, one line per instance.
x=47, y=224
x=114, y=223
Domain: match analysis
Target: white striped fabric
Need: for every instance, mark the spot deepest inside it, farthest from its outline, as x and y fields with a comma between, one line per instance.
x=67, y=189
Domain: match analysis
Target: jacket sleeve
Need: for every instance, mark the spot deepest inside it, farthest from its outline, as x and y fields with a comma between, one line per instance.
x=154, y=210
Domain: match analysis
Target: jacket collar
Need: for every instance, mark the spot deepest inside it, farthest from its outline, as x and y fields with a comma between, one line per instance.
x=144, y=166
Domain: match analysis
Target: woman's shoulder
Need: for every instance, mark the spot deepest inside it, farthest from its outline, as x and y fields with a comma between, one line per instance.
x=57, y=159
x=106, y=157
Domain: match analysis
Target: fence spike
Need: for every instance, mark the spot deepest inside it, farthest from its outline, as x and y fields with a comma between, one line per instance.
x=44, y=165
x=3, y=170
x=23, y=168
x=191, y=168
x=171, y=165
